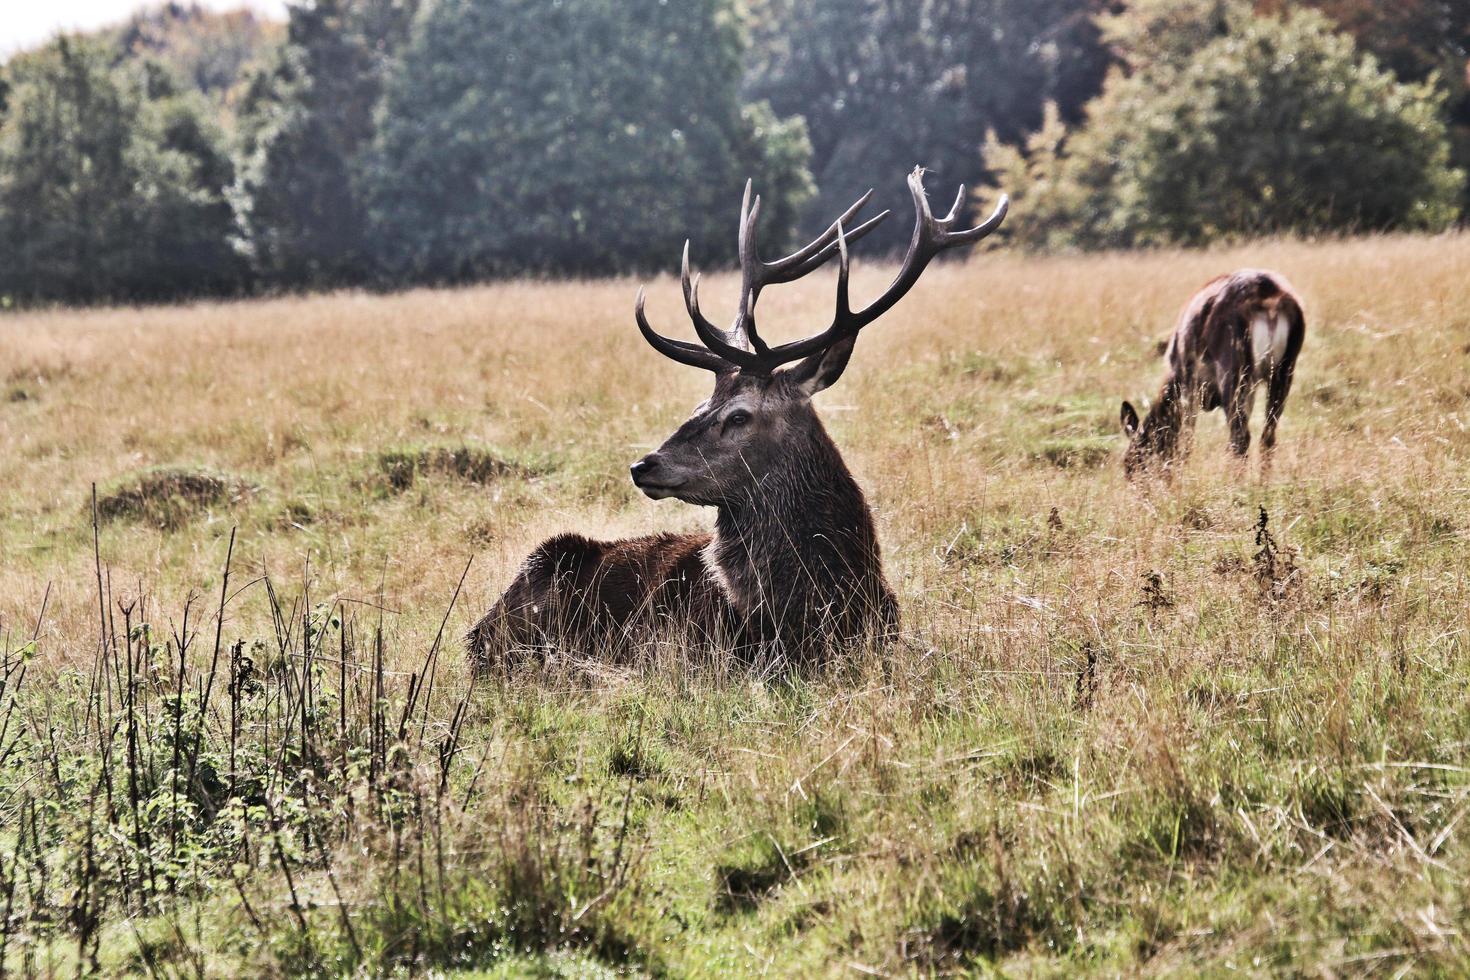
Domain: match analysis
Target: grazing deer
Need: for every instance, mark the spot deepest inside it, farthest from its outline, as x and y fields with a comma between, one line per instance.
x=793, y=565
x=1237, y=331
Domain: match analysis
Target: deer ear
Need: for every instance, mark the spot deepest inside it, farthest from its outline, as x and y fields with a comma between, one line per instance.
x=820, y=371
x=1129, y=418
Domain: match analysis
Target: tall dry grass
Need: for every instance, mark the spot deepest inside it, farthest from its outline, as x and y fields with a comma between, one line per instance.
x=1119, y=729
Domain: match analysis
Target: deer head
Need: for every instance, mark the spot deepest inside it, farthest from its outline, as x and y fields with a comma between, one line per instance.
x=759, y=419
x=1153, y=441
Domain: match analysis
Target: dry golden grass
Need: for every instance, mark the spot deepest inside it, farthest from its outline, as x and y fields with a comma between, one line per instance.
x=1103, y=745
x=299, y=394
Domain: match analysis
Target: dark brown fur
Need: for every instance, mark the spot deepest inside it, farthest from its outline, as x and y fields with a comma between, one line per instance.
x=590, y=594
x=1211, y=365
x=793, y=568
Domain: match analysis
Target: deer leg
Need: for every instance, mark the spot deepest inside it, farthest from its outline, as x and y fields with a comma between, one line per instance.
x=1275, y=402
x=1196, y=401
x=1280, y=387
x=1238, y=414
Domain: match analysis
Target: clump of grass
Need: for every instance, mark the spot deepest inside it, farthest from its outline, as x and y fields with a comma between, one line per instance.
x=295, y=514
x=988, y=924
x=401, y=468
x=1007, y=539
x=541, y=881
x=753, y=870
x=756, y=867
x=1329, y=804
x=1027, y=767
x=988, y=906
x=280, y=771
x=636, y=758
x=1083, y=452
x=1182, y=826
x=169, y=498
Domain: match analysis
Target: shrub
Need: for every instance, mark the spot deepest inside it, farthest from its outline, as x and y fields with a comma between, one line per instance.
x=1271, y=125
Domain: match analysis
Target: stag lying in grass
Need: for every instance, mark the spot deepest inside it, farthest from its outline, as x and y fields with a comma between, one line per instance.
x=1238, y=331
x=792, y=568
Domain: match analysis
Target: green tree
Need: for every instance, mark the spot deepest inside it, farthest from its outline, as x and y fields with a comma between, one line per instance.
x=887, y=84
x=1270, y=125
x=111, y=183
x=1151, y=35
x=211, y=52
x=1420, y=40
x=185, y=219
x=584, y=136
x=1414, y=38
x=306, y=121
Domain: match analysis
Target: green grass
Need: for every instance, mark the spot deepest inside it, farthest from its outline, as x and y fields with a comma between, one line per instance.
x=1125, y=733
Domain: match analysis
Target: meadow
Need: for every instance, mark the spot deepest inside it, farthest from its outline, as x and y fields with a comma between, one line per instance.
x=1217, y=726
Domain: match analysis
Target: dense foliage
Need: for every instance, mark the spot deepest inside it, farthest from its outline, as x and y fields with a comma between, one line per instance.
x=887, y=84
x=211, y=51
x=112, y=183
x=1414, y=38
x=307, y=119
x=1419, y=40
x=586, y=136
x=1229, y=123
x=385, y=142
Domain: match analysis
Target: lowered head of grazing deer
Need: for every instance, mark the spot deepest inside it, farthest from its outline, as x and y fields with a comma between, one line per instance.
x=1237, y=331
x=793, y=564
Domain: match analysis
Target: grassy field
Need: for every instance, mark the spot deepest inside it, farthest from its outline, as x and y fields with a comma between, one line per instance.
x=1125, y=732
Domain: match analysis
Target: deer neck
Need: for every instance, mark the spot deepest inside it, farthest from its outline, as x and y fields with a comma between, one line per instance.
x=801, y=541
x=1165, y=420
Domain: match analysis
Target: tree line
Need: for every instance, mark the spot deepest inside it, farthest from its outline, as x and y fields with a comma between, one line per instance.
x=382, y=143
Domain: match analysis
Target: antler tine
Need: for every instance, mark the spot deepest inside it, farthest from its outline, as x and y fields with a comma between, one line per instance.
x=757, y=274
x=691, y=303
x=677, y=350
x=716, y=339
x=844, y=304
x=959, y=200
x=840, y=327
x=751, y=277
x=822, y=257
x=800, y=262
x=984, y=229
x=747, y=222
x=931, y=236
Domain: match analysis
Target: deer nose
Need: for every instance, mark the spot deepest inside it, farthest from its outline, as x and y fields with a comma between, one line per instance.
x=643, y=467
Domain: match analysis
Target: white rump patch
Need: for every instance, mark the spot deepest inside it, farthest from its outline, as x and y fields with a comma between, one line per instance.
x=1268, y=341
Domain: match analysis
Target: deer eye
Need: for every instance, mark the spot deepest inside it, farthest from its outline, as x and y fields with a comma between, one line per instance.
x=737, y=419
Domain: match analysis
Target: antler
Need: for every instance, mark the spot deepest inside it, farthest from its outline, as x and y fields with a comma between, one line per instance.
x=742, y=347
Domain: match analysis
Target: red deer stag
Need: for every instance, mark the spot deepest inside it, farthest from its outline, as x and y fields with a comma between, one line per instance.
x=793, y=566
x=1237, y=331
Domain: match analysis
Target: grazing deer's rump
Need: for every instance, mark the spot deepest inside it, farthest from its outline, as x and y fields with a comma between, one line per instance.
x=1238, y=331
x=793, y=568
